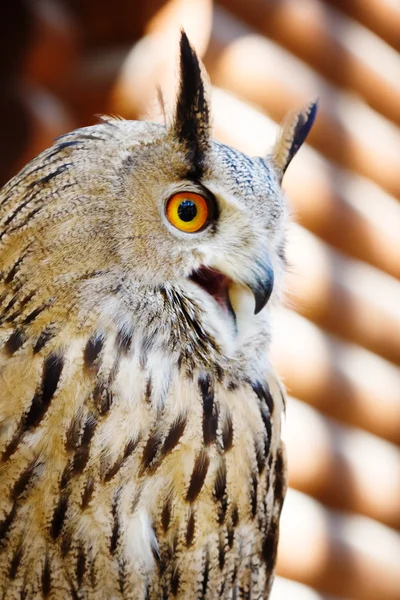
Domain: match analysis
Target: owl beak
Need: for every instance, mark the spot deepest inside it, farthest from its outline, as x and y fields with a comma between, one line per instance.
x=217, y=284
x=261, y=284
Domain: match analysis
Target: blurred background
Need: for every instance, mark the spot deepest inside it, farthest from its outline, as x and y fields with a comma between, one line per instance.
x=337, y=342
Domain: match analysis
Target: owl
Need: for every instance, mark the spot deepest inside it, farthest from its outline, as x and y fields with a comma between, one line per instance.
x=139, y=414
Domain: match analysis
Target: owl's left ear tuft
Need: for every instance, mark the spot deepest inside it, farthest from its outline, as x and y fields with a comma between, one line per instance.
x=294, y=131
x=191, y=124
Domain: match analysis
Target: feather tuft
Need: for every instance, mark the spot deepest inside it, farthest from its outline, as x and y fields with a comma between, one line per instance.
x=192, y=118
x=293, y=134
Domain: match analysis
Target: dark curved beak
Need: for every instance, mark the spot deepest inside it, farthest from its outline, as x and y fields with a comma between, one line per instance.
x=261, y=285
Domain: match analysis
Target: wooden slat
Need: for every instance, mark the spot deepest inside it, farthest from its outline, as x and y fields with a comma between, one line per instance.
x=89, y=86
x=53, y=44
x=284, y=589
x=367, y=65
x=349, y=212
x=381, y=16
x=338, y=554
x=120, y=22
x=340, y=379
x=344, y=296
x=327, y=460
x=15, y=35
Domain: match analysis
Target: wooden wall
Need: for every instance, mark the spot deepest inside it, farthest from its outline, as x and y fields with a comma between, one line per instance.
x=337, y=341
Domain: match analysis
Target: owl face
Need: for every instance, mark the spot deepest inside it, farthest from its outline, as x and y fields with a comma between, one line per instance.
x=219, y=232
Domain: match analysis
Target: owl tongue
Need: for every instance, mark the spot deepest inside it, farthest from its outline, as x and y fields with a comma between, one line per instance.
x=214, y=283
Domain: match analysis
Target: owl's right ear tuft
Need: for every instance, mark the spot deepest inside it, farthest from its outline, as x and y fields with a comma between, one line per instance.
x=191, y=124
x=294, y=131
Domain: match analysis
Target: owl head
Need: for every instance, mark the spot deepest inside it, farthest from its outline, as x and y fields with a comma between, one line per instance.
x=159, y=232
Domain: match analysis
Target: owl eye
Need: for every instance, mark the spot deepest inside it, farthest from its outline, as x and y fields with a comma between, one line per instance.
x=188, y=212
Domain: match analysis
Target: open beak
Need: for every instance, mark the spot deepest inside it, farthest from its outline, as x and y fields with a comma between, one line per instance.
x=216, y=283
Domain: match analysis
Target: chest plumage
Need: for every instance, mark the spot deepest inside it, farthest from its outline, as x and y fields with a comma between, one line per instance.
x=139, y=416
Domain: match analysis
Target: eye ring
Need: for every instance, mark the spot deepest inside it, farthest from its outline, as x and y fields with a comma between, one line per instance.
x=189, y=212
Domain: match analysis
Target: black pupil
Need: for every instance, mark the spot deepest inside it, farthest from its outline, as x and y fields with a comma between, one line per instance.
x=187, y=210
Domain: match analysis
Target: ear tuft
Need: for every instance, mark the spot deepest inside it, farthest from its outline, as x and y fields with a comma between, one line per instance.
x=294, y=131
x=192, y=120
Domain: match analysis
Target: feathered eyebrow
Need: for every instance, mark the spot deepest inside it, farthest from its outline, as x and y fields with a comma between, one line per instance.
x=191, y=125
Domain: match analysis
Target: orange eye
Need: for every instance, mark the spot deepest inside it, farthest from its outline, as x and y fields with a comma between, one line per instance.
x=187, y=211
